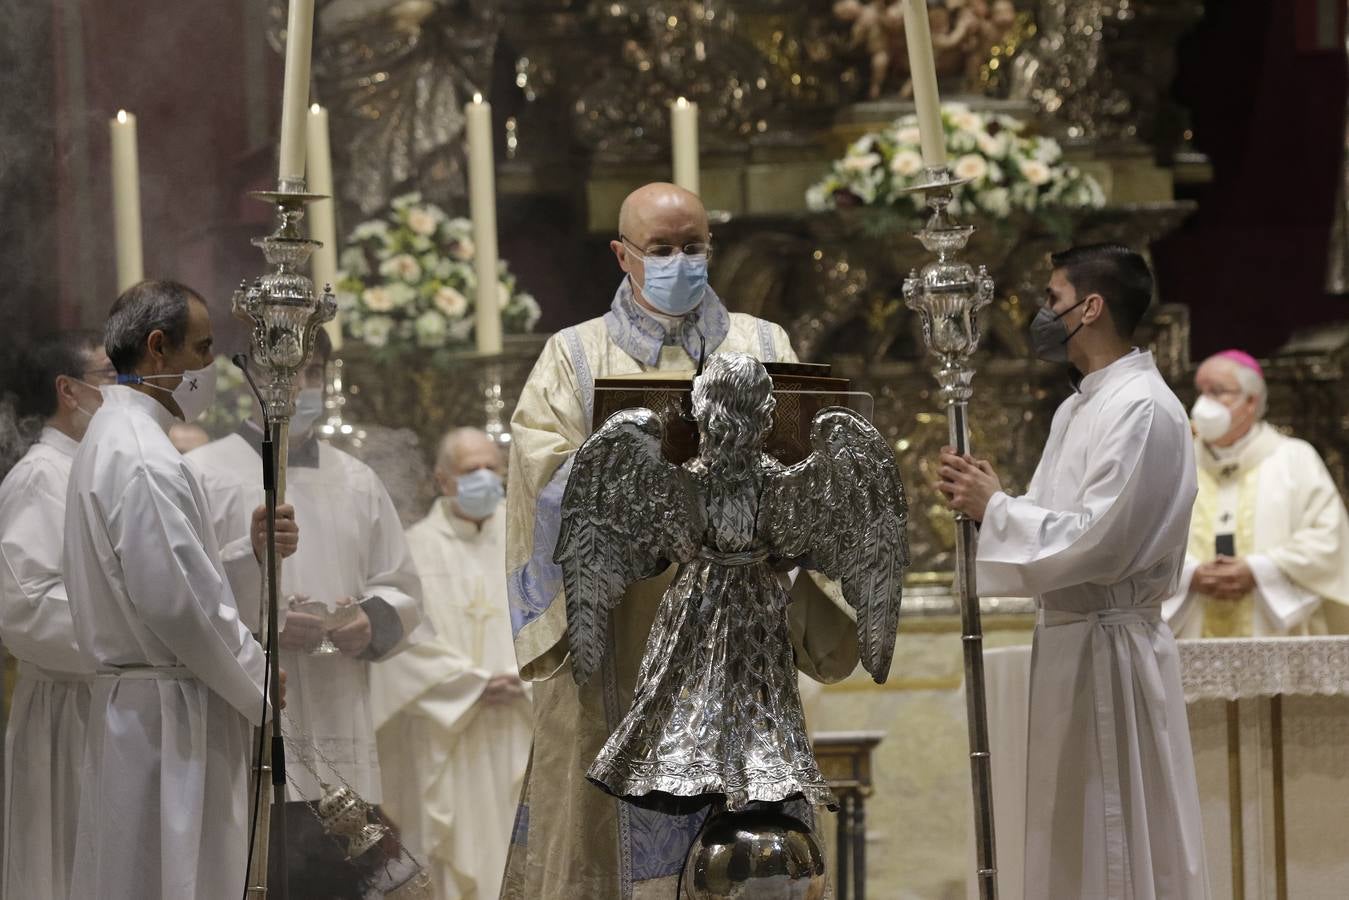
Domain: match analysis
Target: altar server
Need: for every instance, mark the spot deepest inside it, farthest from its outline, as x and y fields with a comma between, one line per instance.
x=164, y=811
x=1112, y=807
x=352, y=554
x=453, y=715
x=56, y=383
x=570, y=839
x=1269, y=535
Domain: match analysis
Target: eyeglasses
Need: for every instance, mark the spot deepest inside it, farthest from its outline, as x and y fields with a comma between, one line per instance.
x=96, y=377
x=1220, y=393
x=697, y=248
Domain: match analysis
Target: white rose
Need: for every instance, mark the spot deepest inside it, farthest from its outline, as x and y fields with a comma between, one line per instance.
x=970, y=166
x=450, y=302
x=909, y=135
x=401, y=295
x=531, y=308
x=997, y=201
x=461, y=329
x=906, y=163
x=403, y=266
x=1047, y=151
x=967, y=121
x=815, y=197
x=463, y=249
x=990, y=145
x=377, y=299
x=375, y=330
x=421, y=222
x=353, y=262
x=406, y=200
x=862, y=163
x=377, y=228
x=431, y=329
x=1034, y=171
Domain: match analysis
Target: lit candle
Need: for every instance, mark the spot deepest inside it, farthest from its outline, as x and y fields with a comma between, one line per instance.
x=126, y=201
x=684, y=143
x=322, y=225
x=482, y=206
x=295, y=98
x=923, y=72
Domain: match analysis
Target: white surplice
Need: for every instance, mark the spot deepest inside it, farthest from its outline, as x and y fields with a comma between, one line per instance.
x=44, y=739
x=453, y=766
x=351, y=545
x=1112, y=806
x=164, y=805
x=1272, y=493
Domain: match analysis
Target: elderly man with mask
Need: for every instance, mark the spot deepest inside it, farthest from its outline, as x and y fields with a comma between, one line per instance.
x=454, y=721
x=164, y=812
x=56, y=383
x=571, y=839
x=1269, y=532
x=353, y=555
x=1098, y=539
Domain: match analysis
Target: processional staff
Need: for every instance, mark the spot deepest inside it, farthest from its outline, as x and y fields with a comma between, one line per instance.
x=284, y=313
x=948, y=295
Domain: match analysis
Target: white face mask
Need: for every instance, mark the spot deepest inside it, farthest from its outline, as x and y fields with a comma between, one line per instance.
x=478, y=493
x=194, y=394
x=1211, y=419
x=308, y=408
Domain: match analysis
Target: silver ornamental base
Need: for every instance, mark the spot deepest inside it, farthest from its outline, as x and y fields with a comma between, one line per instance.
x=754, y=855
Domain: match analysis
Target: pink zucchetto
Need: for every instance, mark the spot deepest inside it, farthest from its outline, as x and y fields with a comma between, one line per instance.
x=1241, y=358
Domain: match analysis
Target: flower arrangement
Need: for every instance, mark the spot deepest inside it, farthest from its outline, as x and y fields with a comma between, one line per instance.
x=407, y=282
x=1011, y=172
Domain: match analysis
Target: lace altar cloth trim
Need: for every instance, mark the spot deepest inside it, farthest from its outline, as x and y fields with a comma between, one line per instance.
x=1237, y=668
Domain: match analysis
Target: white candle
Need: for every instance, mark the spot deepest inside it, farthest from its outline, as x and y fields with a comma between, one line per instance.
x=295, y=98
x=126, y=201
x=322, y=223
x=684, y=143
x=482, y=206
x=923, y=72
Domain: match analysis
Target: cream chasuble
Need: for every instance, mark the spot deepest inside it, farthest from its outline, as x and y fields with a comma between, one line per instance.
x=1112, y=806
x=163, y=805
x=1274, y=496
x=44, y=739
x=453, y=766
x=572, y=840
x=351, y=545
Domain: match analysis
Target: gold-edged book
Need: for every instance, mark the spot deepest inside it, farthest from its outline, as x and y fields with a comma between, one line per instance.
x=801, y=390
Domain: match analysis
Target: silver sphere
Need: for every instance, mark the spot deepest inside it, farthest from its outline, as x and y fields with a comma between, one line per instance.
x=754, y=855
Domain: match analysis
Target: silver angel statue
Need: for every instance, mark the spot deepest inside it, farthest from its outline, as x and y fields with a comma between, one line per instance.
x=716, y=715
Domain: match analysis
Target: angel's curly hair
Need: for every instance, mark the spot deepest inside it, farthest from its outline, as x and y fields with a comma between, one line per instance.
x=733, y=405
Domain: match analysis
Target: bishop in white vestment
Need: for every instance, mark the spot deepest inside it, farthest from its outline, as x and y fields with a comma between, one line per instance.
x=1112, y=806
x=44, y=737
x=351, y=550
x=570, y=839
x=1269, y=535
x=164, y=809
x=452, y=715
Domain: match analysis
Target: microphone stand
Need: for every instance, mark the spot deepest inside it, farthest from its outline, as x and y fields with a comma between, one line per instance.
x=274, y=435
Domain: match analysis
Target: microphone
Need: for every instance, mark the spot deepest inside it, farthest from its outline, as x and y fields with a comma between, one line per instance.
x=240, y=361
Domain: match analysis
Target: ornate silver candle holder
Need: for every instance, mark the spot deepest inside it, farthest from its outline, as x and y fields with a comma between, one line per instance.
x=948, y=295
x=284, y=314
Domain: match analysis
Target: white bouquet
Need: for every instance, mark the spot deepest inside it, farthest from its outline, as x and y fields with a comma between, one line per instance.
x=1011, y=172
x=407, y=282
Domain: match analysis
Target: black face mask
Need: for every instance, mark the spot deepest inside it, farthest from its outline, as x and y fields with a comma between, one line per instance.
x=1049, y=337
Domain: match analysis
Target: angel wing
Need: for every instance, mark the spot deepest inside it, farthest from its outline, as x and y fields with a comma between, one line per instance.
x=842, y=510
x=625, y=513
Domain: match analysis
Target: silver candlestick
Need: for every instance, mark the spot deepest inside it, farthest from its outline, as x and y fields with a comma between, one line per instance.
x=948, y=295
x=284, y=313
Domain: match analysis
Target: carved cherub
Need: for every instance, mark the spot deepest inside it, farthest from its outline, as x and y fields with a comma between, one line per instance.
x=716, y=714
x=878, y=27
